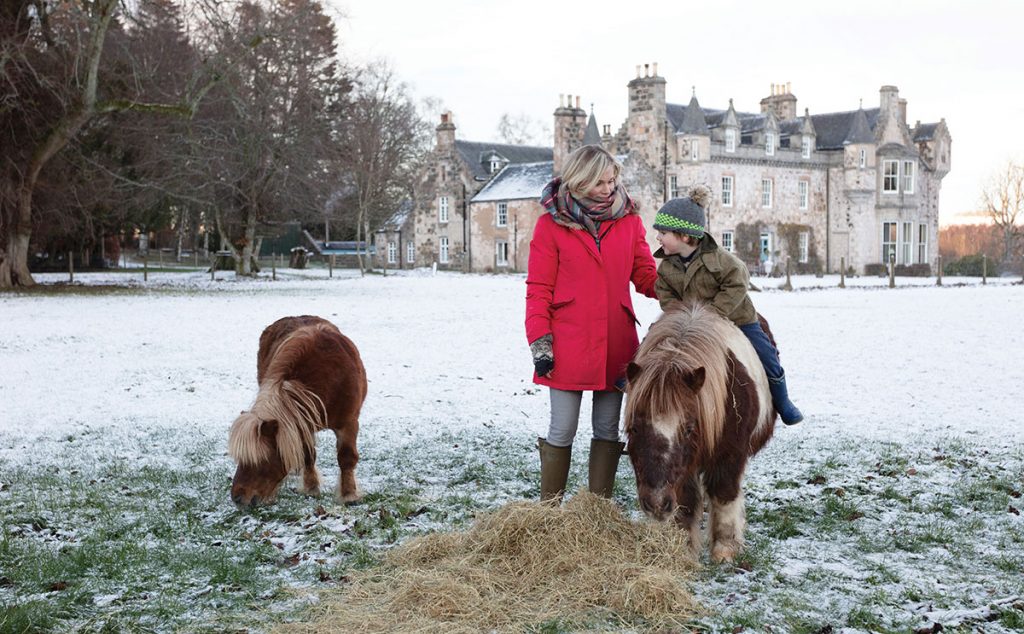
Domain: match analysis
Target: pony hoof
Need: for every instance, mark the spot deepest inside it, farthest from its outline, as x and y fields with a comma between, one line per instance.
x=315, y=492
x=351, y=498
x=724, y=553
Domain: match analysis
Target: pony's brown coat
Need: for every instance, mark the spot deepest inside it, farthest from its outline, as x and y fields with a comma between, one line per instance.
x=311, y=378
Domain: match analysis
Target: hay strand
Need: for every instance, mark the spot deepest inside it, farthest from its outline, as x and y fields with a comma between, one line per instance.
x=523, y=565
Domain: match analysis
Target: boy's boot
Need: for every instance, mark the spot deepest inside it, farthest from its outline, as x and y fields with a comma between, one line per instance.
x=604, y=462
x=554, y=469
x=780, y=399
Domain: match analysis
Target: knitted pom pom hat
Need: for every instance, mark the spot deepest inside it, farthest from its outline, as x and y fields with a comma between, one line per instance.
x=687, y=214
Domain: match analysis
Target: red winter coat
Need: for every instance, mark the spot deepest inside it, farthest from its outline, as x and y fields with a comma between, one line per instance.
x=580, y=294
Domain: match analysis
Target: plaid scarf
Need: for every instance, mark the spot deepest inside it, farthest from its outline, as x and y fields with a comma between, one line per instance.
x=584, y=213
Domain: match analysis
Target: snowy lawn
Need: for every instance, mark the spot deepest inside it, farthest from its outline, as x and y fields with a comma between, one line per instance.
x=895, y=507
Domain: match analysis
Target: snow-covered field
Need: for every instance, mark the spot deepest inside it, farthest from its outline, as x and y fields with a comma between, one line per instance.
x=919, y=367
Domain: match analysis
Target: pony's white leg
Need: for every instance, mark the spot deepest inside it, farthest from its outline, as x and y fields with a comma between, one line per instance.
x=311, y=480
x=727, y=523
x=690, y=512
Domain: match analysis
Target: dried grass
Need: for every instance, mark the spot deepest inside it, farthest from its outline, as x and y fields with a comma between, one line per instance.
x=523, y=565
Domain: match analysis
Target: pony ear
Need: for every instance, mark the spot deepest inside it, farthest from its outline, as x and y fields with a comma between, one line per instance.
x=632, y=371
x=268, y=428
x=694, y=379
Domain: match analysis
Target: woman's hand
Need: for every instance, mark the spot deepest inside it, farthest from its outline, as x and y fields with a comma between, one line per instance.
x=543, y=356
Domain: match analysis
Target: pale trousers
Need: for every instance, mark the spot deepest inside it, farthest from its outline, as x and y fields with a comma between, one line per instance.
x=565, y=416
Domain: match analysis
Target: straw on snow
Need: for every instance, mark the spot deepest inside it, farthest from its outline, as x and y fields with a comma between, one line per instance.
x=524, y=564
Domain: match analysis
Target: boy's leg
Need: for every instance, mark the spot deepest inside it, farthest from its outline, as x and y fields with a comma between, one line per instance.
x=776, y=375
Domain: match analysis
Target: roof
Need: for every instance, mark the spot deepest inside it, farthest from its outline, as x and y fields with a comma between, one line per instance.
x=925, y=131
x=693, y=119
x=833, y=128
x=592, y=136
x=517, y=182
x=401, y=214
x=476, y=154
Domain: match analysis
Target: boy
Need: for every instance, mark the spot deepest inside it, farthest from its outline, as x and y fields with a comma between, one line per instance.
x=694, y=268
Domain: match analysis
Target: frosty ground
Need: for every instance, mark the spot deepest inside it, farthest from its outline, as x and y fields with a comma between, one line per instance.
x=894, y=507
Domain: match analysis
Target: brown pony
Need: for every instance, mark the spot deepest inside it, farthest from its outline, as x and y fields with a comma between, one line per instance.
x=698, y=407
x=311, y=378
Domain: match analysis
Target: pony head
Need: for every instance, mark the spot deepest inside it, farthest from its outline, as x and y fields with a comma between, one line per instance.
x=660, y=421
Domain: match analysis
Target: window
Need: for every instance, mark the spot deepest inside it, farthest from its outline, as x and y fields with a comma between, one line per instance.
x=501, y=253
x=443, y=255
x=805, y=147
x=922, y=244
x=905, y=236
x=766, y=243
x=694, y=150
x=495, y=165
x=766, y=192
x=392, y=253
x=410, y=253
x=888, y=241
x=730, y=139
x=673, y=187
x=502, y=216
x=442, y=209
x=863, y=158
x=769, y=144
x=908, y=177
x=805, y=246
x=727, y=241
x=727, y=191
x=890, y=177
x=805, y=197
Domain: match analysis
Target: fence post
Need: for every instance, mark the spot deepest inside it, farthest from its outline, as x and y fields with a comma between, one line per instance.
x=938, y=274
x=984, y=268
x=145, y=267
x=892, y=270
x=213, y=266
x=273, y=266
x=71, y=267
x=842, y=272
x=788, y=286
x=330, y=266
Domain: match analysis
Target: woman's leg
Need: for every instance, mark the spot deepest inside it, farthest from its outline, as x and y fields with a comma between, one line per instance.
x=556, y=449
x=565, y=417
x=605, y=448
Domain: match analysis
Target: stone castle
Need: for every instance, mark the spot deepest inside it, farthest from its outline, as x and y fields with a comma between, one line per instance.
x=816, y=192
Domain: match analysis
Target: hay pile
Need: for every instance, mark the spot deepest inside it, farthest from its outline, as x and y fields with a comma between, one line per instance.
x=523, y=565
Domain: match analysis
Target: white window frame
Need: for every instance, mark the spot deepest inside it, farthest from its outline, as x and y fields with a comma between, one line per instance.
x=805, y=147
x=863, y=158
x=501, y=253
x=694, y=150
x=767, y=192
x=501, y=215
x=495, y=165
x=769, y=143
x=908, y=177
x=727, y=241
x=442, y=250
x=890, y=177
x=410, y=252
x=442, y=209
x=804, y=191
x=727, y=190
x=805, y=246
x=730, y=140
x=889, y=240
x=906, y=241
x=673, y=187
x=392, y=252
x=922, y=243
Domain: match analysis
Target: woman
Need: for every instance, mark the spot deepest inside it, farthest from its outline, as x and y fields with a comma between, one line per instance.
x=579, y=313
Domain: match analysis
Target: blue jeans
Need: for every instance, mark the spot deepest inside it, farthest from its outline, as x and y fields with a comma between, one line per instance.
x=765, y=350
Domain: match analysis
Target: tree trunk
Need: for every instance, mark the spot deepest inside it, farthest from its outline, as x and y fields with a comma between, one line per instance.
x=245, y=262
x=359, y=230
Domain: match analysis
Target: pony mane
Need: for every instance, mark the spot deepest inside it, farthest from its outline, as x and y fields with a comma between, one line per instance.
x=681, y=341
x=299, y=412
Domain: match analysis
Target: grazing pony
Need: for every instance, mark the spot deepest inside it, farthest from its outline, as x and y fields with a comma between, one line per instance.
x=698, y=407
x=311, y=378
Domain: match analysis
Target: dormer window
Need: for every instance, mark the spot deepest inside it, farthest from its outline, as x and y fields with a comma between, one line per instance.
x=495, y=165
x=730, y=140
x=805, y=147
x=769, y=144
x=694, y=150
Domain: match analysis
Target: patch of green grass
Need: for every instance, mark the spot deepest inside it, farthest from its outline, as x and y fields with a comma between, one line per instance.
x=1012, y=619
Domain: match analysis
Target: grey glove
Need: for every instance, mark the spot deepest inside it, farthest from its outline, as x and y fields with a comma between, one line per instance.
x=543, y=357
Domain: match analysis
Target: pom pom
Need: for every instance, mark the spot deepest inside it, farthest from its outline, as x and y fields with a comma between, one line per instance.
x=701, y=194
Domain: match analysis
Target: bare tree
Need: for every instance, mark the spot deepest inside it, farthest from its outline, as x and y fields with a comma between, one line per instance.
x=522, y=129
x=1003, y=201
x=384, y=139
x=50, y=55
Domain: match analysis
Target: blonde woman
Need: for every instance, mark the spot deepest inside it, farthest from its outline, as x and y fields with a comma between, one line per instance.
x=579, y=312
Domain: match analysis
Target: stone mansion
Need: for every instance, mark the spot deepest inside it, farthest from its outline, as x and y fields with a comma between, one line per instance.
x=819, y=191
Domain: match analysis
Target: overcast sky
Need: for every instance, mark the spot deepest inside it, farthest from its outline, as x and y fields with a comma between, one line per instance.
x=963, y=61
